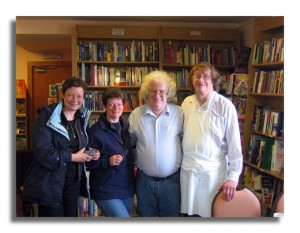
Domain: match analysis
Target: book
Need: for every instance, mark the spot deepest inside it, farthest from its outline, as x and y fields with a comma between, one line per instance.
x=257, y=184
x=248, y=176
x=277, y=156
x=280, y=126
x=268, y=188
x=223, y=86
x=242, y=60
x=267, y=157
x=20, y=88
x=241, y=84
x=230, y=85
x=261, y=152
x=240, y=106
x=255, y=148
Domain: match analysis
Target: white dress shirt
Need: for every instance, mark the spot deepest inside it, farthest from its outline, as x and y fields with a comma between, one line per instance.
x=157, y=139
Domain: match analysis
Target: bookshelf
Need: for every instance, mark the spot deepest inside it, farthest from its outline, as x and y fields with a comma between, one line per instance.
x=21, y=116
x=265, y=98
x=215, y=45
x=112, y=55
x=185, y=46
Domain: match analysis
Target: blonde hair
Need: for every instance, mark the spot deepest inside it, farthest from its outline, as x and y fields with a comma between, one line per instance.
x=158, y=76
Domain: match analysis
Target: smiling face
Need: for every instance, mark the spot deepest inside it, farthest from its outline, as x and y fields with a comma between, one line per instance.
x=157, y=97
x=202, y=82
x=114, y=109
x=73, y=98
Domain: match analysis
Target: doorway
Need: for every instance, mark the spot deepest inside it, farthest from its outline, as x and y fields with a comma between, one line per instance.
x=41, y=78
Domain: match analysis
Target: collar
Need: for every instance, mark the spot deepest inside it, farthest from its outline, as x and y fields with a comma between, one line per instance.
x=148, y=111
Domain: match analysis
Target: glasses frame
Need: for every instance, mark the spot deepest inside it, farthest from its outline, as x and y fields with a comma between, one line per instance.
x=203, y=76
x=159, y=92
x=111, y=105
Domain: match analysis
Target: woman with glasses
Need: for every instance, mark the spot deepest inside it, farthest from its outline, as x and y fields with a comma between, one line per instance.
x=112, y=177
x=155, y=129
x=212, y=157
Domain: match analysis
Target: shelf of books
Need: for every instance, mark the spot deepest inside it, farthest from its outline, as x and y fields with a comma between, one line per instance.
x=263, y=140
x=21, y=115
x=186, y=46
x=105, y=56
x=114, y=56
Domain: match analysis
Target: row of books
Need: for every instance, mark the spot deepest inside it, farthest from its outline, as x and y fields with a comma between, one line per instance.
x=268, y=121
x=117, y=51
x=266, y=153
x=99, y=75
x=88, y=208
x=181, y=78
x=93, y=100
x=242, y=60
x=268, y=51
x=235, y=83
x=265, y=186
x=186, y=54
x=268, y=82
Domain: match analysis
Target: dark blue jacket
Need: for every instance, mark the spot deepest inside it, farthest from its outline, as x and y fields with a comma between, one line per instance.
x=111, y=182
x=44, y=182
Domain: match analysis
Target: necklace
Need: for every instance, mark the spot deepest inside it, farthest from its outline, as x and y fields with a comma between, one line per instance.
x=70, y=126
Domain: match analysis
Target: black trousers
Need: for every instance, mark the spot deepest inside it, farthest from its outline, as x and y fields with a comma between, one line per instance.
x=69, y=206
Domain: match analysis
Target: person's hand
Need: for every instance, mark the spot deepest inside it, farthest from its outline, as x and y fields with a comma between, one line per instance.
x=96, y=155
x=229, y=188
x=81, y=157
x=115, y=160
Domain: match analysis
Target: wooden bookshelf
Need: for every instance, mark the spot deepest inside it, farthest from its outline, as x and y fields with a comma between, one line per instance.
x=182, y=47
x=216, y=39
x=265, y=29
x=121, y=56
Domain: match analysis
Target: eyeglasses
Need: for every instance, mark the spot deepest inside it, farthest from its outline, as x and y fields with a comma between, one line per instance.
x=203, y=76
x=110, y=105
x=160, y=92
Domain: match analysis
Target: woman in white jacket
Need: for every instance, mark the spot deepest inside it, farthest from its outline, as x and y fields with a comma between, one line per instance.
x=212, y=157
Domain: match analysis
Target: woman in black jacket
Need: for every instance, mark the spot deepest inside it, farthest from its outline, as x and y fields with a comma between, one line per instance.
x=57, y=176
x=112, y=176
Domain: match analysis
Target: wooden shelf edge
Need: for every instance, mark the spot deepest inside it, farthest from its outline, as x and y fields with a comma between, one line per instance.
x=268, y=172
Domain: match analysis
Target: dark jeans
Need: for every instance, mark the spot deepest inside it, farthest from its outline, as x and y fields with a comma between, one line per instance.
x=69, y=206
x=158, y=197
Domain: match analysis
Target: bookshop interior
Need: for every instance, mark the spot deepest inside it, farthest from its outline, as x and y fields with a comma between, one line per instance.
x=248, y=52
